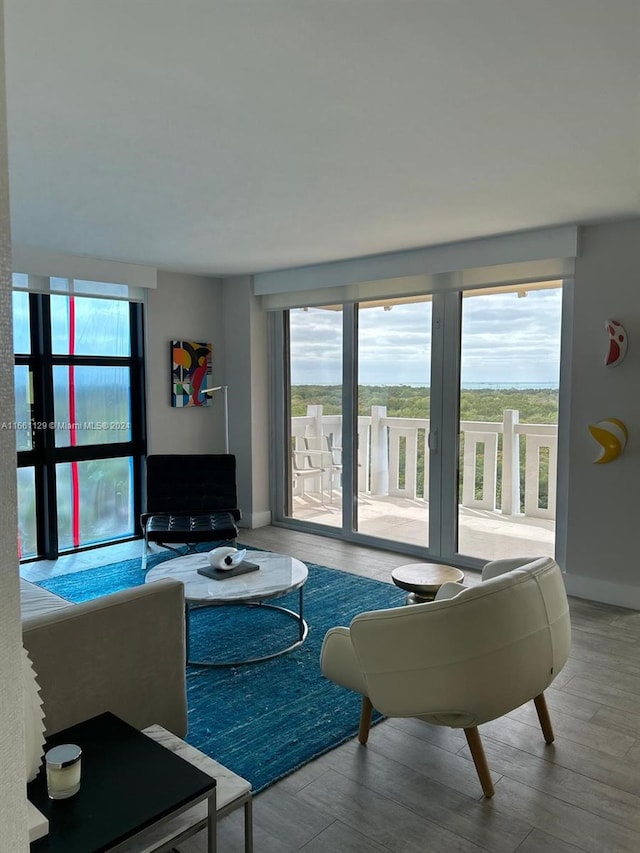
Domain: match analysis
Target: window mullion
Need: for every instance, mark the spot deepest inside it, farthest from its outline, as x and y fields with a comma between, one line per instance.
x=349, y=417
x=137, y=407
x=450, y=425
x=44, y=439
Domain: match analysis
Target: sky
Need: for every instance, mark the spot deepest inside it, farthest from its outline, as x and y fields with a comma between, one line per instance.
x=505, y=339
x=102, y=325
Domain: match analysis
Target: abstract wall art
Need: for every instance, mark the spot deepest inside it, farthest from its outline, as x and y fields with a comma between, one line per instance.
x=191, y=369
x=618, y=343
x=611, y=434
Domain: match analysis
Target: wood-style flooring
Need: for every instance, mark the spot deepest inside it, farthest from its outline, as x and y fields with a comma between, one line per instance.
x=414, y=788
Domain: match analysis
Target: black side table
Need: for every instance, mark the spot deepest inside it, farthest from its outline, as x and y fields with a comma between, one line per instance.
x=129, y=783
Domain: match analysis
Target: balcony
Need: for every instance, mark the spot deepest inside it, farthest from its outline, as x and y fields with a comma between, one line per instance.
x=497, y=517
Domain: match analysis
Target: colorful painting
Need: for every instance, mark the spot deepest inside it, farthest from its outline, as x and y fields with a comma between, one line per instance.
x=191, y=369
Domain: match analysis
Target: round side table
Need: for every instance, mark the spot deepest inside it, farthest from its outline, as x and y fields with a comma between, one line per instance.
x=423, y=580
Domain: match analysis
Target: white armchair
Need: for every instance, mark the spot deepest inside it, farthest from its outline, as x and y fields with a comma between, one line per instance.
x=468, y=657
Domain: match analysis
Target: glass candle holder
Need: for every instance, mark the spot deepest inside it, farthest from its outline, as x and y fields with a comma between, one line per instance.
x=63, y=770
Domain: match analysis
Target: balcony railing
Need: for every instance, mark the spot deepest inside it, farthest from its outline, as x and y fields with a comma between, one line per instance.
x=393, y=458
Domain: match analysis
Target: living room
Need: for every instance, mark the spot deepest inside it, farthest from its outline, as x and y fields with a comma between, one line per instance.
x=590, y=236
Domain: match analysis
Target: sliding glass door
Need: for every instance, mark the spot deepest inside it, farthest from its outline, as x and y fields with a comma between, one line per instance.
x=427, y=423
x=393, y=391
x=314, y=396
x=508, y=427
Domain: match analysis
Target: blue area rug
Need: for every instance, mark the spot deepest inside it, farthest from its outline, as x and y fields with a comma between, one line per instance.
x=260, y=720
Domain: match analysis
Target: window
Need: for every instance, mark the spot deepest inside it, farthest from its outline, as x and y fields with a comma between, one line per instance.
x=445, y=410
x=80, y=437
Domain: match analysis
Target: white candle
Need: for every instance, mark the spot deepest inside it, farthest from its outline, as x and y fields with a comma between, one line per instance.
x=63, y=770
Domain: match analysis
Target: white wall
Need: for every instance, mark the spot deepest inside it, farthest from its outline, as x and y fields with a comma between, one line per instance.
x=13, y=833
x=183, y=307
x=603, y=500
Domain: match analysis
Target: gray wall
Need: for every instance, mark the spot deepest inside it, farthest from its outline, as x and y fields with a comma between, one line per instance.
x=603, y=500
x=183, y=307
x=228, y=315
x=13, y=835
x=245, y=344
x=261, y=420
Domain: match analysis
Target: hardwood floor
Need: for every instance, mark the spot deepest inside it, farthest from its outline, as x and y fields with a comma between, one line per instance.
x=414, y=787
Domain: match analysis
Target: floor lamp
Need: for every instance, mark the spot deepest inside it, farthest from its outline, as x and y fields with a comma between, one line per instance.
x=224, y=389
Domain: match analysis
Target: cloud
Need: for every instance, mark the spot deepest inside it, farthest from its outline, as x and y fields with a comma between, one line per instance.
x=505, y=338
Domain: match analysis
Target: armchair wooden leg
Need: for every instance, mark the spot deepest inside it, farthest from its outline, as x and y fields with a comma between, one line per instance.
x=480, y=760
x=366, y=711
x=545, y=720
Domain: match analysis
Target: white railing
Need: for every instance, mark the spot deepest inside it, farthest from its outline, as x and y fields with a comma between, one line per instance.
x=391, y=449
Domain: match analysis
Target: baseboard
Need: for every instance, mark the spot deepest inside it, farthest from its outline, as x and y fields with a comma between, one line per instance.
x=251, y=520
x=623, y=595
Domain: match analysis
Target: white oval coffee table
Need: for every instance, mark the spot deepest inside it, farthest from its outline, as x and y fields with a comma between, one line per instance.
x=278, y=575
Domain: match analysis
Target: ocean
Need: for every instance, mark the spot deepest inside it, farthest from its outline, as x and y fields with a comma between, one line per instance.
x=520, y=386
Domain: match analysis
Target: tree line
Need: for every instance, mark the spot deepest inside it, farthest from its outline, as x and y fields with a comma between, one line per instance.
x=536, y=405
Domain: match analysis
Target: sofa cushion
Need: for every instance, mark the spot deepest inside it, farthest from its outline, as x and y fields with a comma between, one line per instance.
x=34, y=600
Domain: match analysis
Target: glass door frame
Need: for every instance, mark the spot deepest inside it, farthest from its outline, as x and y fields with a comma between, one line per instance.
x=444, y=438
x=281, y=466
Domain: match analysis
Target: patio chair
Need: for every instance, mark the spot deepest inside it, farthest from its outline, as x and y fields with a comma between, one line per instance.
x=305, y=466
x=470, y=656
x=326, y=456
x=191, y=499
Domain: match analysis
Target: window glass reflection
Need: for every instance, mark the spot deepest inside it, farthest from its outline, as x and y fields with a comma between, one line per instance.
x=22, y=382
x=94, y=501
x=83, y=326
x=27, y=543
x=21, y=335
x=92, y=405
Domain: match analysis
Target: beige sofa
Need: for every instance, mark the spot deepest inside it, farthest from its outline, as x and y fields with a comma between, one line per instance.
x=123, y=652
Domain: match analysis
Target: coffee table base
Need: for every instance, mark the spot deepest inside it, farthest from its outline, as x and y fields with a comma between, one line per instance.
x=303, y=630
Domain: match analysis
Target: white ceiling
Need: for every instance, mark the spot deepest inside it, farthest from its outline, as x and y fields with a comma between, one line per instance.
x=233, y=136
